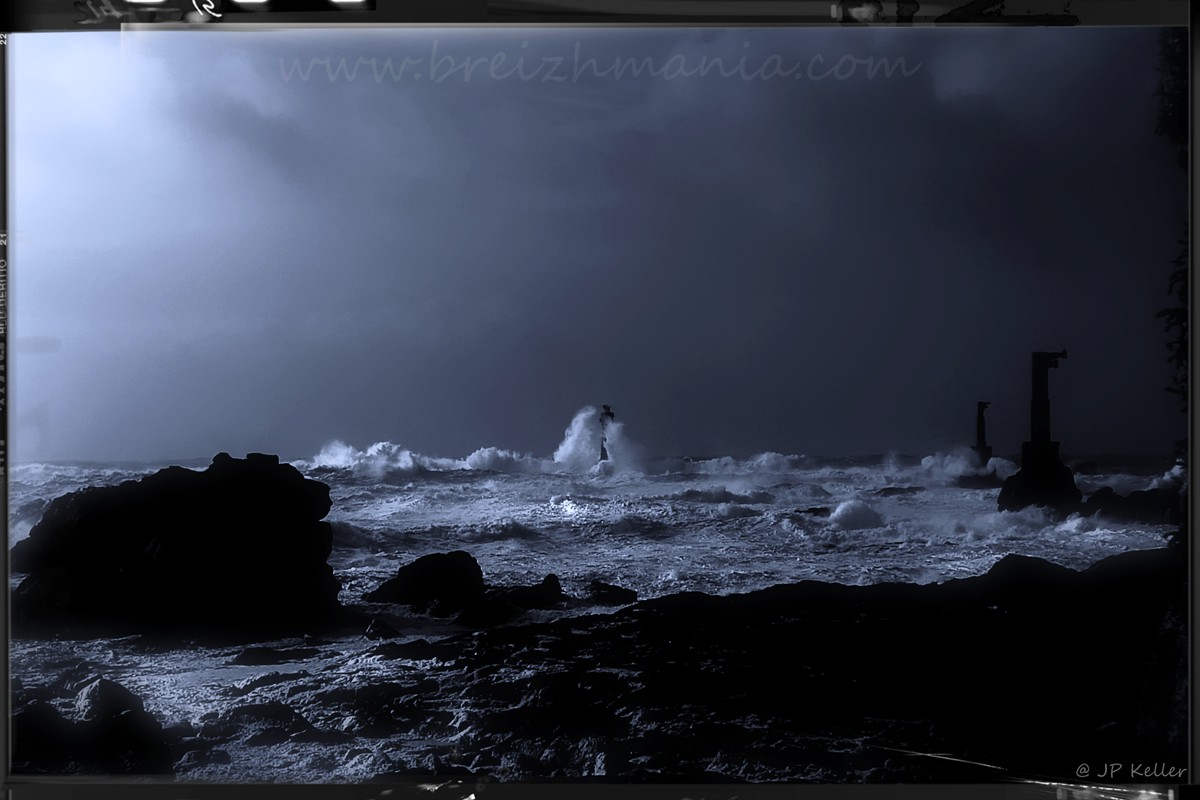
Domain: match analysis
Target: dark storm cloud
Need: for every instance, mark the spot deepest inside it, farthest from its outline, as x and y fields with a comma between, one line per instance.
x=737, y=265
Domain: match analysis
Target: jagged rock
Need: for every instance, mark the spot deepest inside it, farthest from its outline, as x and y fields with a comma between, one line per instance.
x=238, y=547
x=417, y=650
x=245, y=687
x=449, y=581
x=545, y=595
x=380, y=710
x=608, y=594
x=115, y=735
x=105, y=699
x=263, y=724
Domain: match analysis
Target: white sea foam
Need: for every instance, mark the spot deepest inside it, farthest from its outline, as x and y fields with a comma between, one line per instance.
x=579, y=450
x=719, y=524
x=1174, y=478
x=854, y=515
x=947, y=467
x=580, y=447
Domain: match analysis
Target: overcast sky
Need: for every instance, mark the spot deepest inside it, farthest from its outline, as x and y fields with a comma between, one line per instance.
x=208, y=256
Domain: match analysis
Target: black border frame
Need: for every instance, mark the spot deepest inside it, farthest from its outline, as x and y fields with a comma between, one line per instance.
x=26, y=16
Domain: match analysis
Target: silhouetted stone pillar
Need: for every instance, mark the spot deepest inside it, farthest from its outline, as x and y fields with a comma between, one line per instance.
x=1040, y=451
x=1043, y=479
x=981, y=447
x=606, y=416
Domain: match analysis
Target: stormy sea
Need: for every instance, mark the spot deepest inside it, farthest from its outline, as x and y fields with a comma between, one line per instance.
x=668, y=571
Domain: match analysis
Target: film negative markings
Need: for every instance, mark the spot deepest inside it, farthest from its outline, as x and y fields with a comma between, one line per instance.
x=288, y=6
x=205, y=7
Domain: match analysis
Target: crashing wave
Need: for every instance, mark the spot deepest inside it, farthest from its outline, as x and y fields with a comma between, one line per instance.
x=855, y=515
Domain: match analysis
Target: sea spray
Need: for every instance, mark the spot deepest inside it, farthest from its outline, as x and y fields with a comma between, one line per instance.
x=378, y=460
x=580, y=448
x=854, y=515
x=948, y=467
x=624, y=454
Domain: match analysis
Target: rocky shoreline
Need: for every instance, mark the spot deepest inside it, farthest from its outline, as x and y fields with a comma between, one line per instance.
x=1025, y=671
x=1028, y=669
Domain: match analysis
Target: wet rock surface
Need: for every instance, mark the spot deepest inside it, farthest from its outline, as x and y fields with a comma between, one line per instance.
x=754, y=686
x=801, y=682
x=444, y=584
x=1045, y=482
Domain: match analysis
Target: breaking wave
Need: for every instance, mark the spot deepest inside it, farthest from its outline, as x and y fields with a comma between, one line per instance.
x=855, y=515
x=720, y=494
x=578, y=453
x=580, y=448
x=946, y=468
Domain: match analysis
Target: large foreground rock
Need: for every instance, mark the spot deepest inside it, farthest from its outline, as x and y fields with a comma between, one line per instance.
x=239, y=547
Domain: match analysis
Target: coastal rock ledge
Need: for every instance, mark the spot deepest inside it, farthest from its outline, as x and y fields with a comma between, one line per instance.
x=239, y=547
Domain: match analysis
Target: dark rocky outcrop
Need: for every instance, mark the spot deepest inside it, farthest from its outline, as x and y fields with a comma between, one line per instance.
x=445, y=584
x=608, y=594
x=542, y=596
x=1164, y=505
x=105, y=699
x=441, y=583
x=1041, y=481
x=660, y=690
x=238, y=547
x=802, y=682
x=503, y=605
x=111, y=733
